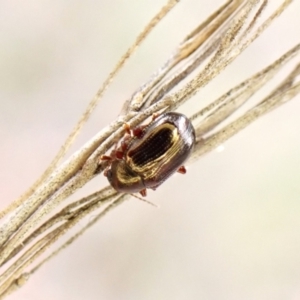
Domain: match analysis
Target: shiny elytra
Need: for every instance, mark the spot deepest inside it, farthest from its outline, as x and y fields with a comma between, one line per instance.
x=153, y=154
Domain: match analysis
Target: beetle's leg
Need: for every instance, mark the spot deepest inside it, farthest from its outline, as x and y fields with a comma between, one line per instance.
x=119, y=154
x=124, y=143
x=127, y=128
x=135, y=132
x=138, y=131
x=182, y=170
x=106, y=157
x=155, y=115
x=143, y=192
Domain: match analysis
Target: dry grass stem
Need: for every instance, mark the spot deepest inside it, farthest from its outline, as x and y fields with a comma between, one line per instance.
x=30, y=227
x=93, y=104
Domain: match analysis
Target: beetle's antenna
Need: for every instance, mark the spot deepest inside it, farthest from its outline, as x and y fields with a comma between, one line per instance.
x=145, y=200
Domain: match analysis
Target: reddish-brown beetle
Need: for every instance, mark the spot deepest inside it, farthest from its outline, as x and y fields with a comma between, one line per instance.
x=152, y=154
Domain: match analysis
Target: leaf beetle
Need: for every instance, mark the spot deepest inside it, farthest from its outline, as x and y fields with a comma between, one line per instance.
x=151, y=153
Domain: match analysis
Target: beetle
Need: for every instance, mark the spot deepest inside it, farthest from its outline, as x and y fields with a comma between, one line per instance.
x=151, y=153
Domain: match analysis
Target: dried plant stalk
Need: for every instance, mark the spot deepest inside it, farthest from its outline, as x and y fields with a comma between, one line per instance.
x=94, y=102
x=29, y=229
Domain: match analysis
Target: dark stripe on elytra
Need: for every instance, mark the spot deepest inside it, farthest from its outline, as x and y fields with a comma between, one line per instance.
x=152, y=148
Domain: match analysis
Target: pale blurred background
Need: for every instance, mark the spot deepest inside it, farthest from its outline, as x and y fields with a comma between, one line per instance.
x=229, y=229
